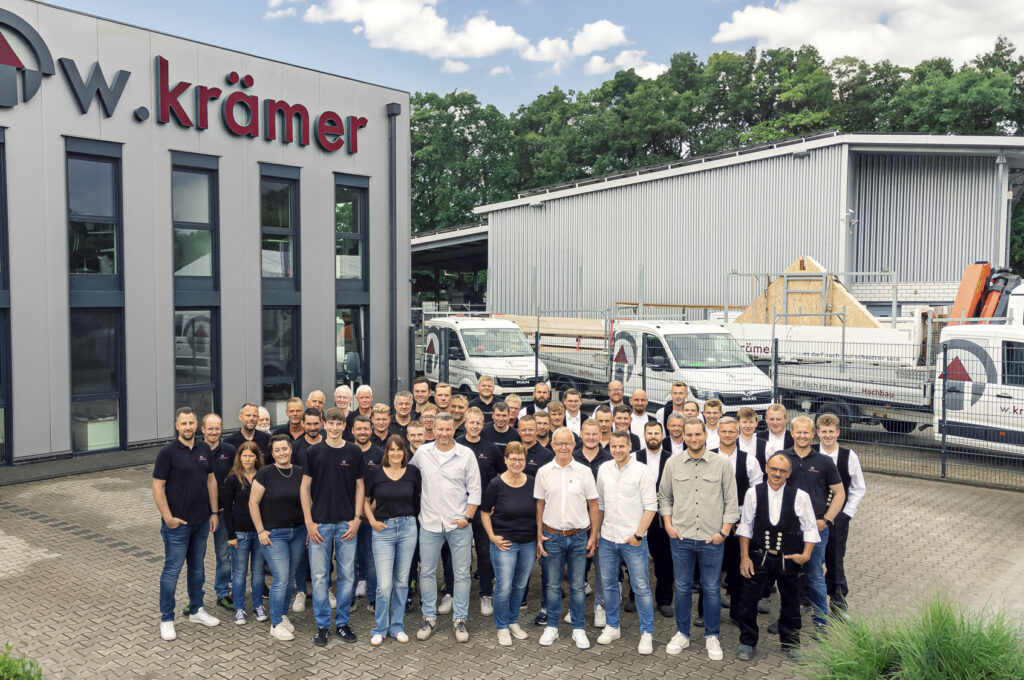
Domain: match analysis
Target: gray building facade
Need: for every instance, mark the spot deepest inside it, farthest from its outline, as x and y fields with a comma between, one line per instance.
x=917, y=205
x=184, y=224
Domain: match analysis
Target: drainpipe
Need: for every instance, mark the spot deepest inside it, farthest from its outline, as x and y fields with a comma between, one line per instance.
x=393, y=110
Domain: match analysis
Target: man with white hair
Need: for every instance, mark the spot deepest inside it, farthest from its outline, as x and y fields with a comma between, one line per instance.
x=316, y=399
x=364, y=406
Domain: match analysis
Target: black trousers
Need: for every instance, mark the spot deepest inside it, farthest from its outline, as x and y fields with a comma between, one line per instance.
x=835, y=555
x=787, y=575
x=484, y=570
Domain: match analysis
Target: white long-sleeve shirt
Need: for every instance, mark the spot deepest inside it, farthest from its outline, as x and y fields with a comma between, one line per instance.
x=624, y=494
x=450, y=482
x=802, y=506
x=857, y=485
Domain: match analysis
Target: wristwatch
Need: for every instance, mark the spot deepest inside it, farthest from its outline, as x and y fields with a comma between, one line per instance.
x=468, y=519
x=828, y=522
x=722, y=534
x=639, y=538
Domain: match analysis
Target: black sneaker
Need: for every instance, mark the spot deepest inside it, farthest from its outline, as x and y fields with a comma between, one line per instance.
x=346, y=634
x=541, y=619
x=773, y=627
x=698, y=621
x=186, y=610
x=227, y=602
x=320, y=639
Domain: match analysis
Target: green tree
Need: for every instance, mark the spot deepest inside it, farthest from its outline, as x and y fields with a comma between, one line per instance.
x=545, y=144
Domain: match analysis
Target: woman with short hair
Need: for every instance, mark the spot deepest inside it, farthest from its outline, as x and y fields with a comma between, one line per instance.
x=245, y=546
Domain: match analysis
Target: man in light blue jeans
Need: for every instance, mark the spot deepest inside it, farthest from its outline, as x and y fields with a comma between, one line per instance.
x=628, y=500
x=450, y=495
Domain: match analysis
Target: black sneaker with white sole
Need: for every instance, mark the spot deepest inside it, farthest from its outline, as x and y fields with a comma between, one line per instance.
x=346, y=634
x=322, y=634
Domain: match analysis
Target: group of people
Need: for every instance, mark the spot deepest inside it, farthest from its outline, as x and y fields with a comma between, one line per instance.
x=377, y=495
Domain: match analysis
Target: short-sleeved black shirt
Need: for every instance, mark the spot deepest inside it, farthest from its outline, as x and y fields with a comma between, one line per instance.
x=395, y=497
x=223, y=459
x=513, y=511
x=537, y=457
x=499, y=439
x=485, y=407
x=280, y=507
x=261, y=438
x=397, y=428
x=603, y=456
x=814, y=474
x=286, y=429
x=334, y=472
x=300, y=447
x=488, y=457
x=185, y=472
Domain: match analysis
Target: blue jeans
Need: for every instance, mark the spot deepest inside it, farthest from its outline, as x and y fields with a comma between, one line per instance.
x=635, y=557
x=392, y=555
x=301, y=572
x=222, y=577
x=571, y=552
x=365, y=568
x=598, y=579
x=685, y=553
x=283, y=558
x=816, y=578
x=460, y=542
x=320, y=556
x=186, y=543
x=247, y=557
x=511, y=574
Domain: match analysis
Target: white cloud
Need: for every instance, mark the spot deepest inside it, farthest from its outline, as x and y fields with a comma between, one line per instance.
x=501, y=71
x=277, y=3
x=553, y=50
x=597, y=65
x=903, y=31
x=451, y=66
x=598, y=36
x=626, y=59
x=279, y=13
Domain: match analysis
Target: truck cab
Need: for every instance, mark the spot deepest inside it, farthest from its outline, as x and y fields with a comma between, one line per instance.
x=462, y=349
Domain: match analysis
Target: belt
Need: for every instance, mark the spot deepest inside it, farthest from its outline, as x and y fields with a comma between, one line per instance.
x=567, y=532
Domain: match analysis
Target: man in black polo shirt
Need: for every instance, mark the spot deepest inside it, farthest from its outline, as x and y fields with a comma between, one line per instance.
x=420, y=395
x=403, y=413
x=293, y=428
x=185, y=492
x=491, y=463
x=485, y=398
x=366, y=573
x=380, y=420
x=498, y=431
x=312, y=423
x=816, y=473
x=537, y=456
x=223, y=457
x=332, y=501
x=248, y=417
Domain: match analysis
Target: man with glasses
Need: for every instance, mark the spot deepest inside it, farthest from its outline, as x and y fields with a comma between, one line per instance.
x=777, y=533
x=615, y=396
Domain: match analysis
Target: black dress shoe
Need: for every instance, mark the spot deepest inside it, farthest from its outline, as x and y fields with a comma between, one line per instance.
x=773, y=628
x=346, y=634
x=667, y=611
x=629, y=606
x=698, y=621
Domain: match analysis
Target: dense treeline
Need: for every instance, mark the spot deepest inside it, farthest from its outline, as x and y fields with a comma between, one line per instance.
x=466, y=154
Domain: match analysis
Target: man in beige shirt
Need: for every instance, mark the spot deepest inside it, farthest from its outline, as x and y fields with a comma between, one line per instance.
x=698, y=504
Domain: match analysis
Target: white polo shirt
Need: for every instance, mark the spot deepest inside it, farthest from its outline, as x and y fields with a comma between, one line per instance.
x=565, y=492
x=624, y=494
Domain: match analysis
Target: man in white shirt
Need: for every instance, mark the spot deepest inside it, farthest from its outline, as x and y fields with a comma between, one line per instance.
x=748, y=440
x=639, y=416
x=541, y=397
x=678, y=395
x=777, y=533
x=567, y=533
x=573, y=416
x=853, y=482
x=615, y=396
x=712, y=414
x=674, y=443
x=654, y=455
x=449, y=498
x=777, y=436
x=628, y=500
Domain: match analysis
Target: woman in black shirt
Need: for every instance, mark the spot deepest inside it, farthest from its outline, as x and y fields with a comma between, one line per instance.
x=245, y=547
x=277, y=516
x=392, y=500
x=508, y=512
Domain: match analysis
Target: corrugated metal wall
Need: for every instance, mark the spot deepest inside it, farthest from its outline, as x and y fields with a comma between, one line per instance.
x=686, y=232
x=911, y=212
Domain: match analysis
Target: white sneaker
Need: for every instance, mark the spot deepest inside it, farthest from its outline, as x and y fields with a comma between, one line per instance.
x=333, y=599
x=299, y=603
x=445, y=607
x=589, y=590
x=287, y=624
x=361, y=589
x=202, y=616
x=517, y=632
x=167, y=631
x=714, y=648
x=504, y=637
x=548, y=637
x=609, y=635
x=580, y=638
x=646, y=645
x=600, y=620
x=377, y=640
x=568, y=617
x=486, y=605
x=678, y=643
x=279, y=632
x=240, y=617
x=401, y=637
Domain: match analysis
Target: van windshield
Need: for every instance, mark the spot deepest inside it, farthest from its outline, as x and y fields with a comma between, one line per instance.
x=496, y=342
x=707, y=350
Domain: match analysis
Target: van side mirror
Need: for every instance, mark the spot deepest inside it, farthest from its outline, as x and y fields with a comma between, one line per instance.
x=455, y=354
x=658, y=364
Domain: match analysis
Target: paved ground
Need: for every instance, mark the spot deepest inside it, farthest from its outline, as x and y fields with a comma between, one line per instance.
x=80, y=558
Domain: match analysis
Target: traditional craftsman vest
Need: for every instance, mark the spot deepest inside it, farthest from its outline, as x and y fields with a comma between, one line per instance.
x=843, y=463
x=784, y=538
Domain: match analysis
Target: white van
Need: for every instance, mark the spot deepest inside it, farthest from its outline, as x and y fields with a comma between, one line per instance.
x=481, y=346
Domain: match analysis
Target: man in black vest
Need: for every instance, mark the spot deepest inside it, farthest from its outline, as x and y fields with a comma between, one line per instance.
x=777, y=534
x=541, y=397
x=748, y=440
x=678, y=394
x=655, y=456
x=853, y=484
x=777, y=437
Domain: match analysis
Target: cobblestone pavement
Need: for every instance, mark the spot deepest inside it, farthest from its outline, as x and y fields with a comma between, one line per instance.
x=80, y=559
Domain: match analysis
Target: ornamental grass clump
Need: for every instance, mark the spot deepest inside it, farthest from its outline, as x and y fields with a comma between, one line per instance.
x=940, y=641
x=18, y=668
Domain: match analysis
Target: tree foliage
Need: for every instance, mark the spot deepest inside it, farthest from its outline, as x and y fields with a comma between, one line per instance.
x=465, y=154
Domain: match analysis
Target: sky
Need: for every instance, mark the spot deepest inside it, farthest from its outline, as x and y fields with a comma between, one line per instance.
x=507, y=53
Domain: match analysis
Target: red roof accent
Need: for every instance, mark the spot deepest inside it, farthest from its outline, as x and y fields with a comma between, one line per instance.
x=955, y=371
x=7, y=55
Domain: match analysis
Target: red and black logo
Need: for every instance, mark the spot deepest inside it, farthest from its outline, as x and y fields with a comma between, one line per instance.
x=13, y=69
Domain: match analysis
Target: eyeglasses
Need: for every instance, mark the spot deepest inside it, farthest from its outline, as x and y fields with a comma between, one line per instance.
x=778, y=471
x=517, y=461
x=560, y=444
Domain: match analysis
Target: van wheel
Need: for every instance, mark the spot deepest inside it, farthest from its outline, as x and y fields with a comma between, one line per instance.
x=837, y=409
x=898, y=426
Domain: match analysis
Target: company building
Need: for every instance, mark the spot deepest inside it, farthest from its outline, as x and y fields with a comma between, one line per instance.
x=185, y=224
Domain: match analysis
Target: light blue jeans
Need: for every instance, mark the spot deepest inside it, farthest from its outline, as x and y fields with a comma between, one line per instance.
x=460, y=542
x=571, y=552
x=686, y=552
x=511, y=574
x=635, y=557
x=247, y=559
x=393, y=547
x=283, y=559
x=320, y=556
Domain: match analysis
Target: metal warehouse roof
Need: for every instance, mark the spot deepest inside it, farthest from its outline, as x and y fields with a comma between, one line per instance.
x=1011, y=147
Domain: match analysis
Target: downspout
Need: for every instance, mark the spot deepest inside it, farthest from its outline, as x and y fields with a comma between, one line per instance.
x=393, y=110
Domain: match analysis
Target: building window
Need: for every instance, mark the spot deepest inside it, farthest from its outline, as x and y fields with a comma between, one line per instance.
x=278, y=219
x=194, y=218
x=349, y=323
x=350, y=234
x=195, y=359
x=280, y=359
x=96, y=379
x=94, y=221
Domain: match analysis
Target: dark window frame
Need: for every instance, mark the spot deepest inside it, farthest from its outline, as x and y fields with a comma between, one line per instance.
x=361, y=187
x=80, y=284
x=296, y=333
x=364, y=347
x=1013, y=363
x=282, y=291
x=200, y=283
x=122, y=403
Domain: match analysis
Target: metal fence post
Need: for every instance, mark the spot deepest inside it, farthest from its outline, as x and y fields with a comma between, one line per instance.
x=643, y=362
x=442, y=366
x=775, y=369
x=942, y=422
x=412, y=353
x=536, y=353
